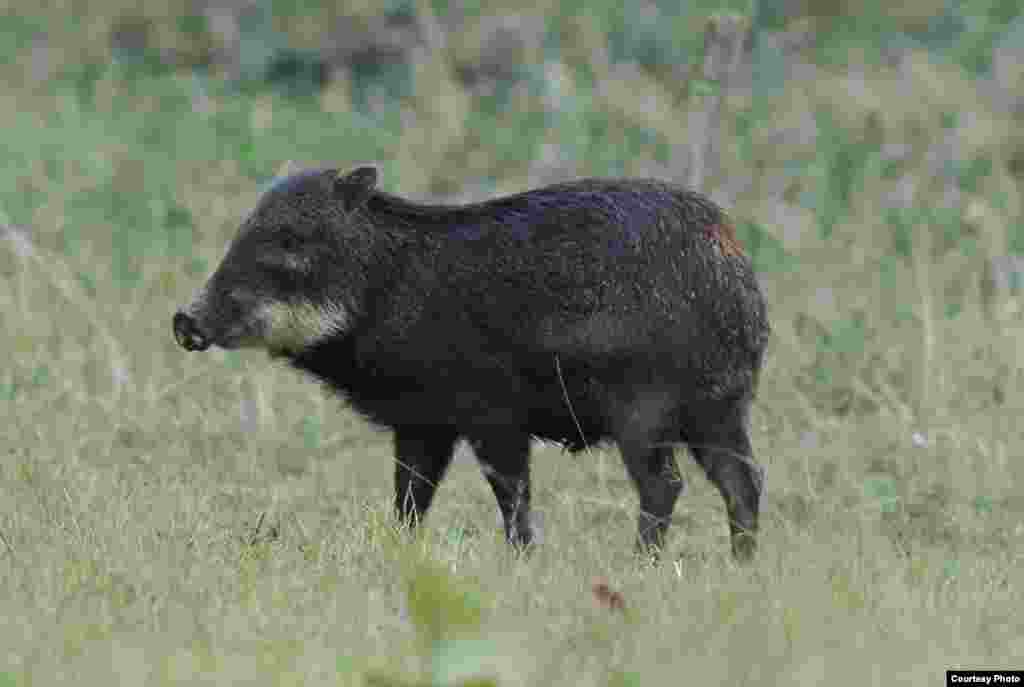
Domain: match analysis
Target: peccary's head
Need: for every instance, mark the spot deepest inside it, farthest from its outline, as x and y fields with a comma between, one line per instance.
x=294, y=273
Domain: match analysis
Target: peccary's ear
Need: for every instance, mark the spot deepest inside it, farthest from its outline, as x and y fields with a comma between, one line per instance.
x=353, y=189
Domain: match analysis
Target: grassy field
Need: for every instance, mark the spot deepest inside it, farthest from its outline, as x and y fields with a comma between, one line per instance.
x=168, y=518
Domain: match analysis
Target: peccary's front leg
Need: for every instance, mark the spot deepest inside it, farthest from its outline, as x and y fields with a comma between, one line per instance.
x=422, y=455
x=505, y=461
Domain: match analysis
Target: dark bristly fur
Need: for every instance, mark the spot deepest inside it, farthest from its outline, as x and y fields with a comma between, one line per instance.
x=586, y=311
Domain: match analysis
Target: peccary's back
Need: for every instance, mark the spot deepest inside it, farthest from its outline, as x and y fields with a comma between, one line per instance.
x=611, y=269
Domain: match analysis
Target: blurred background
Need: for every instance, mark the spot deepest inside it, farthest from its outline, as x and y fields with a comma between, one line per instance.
x=870, y=153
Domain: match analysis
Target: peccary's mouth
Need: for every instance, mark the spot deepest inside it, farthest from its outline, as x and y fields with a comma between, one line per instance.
x=188, y=334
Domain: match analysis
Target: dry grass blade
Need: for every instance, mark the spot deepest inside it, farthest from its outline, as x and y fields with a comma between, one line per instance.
x=56, y=270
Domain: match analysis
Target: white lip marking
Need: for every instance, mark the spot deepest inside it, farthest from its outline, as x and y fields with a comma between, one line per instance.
x=293, y=327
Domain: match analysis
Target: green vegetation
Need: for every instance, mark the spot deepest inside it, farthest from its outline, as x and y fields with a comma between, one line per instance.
x=175, y=519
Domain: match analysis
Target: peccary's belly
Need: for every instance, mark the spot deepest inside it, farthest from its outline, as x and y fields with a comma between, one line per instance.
x=569, y=416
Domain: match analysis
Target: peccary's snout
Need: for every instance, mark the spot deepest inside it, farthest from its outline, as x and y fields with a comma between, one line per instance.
x=187, y=334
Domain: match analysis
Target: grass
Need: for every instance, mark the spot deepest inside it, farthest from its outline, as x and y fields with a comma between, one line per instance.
x=177, y=519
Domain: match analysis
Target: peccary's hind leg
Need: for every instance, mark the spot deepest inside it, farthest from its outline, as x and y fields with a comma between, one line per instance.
x=505, y=461
x=644, y=426
x=717, y=437
x=422, y=454
x=658, y=481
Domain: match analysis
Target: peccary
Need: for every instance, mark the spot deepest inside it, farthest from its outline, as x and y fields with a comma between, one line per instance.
x=584, y=311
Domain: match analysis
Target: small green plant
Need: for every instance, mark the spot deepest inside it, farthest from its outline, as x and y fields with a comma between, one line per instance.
x=983, y=504
x=446, y=615
x=440, y=608
x=951, y=569
x=312, y=431
x=623, y=678
x=882, y=490
x=8, y=391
